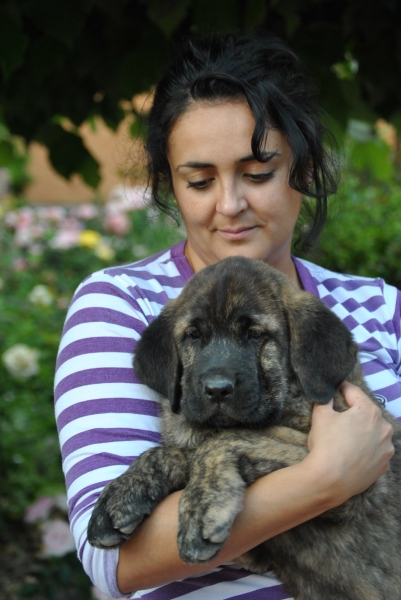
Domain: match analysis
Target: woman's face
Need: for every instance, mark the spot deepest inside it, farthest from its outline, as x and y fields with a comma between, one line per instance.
x=230, y=203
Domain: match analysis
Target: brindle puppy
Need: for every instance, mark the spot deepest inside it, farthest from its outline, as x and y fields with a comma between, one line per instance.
x=239, y=358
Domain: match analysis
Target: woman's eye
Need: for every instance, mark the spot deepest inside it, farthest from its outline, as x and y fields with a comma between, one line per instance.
x=199, y=185
x=259, y=177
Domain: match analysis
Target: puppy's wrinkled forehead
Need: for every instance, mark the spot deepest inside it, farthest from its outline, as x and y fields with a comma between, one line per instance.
x=228, y=292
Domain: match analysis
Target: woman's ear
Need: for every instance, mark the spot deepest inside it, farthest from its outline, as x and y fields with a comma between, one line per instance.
x=322, y=349
x=156, y=361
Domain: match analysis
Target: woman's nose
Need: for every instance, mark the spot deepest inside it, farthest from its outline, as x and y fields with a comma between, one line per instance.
x=231, y=200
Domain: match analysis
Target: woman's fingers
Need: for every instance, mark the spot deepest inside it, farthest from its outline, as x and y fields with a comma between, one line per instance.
x=352, y=448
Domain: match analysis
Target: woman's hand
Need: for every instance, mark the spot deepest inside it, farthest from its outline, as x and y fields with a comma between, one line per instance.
x=350, y=449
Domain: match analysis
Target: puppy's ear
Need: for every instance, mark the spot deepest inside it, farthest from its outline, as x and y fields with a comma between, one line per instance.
x=156, y=361
x=322, y=349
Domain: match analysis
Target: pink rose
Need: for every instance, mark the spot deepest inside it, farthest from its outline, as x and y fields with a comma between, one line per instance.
x=65, y=238
x=137, y=197
x=124, y=198
x=51, y=213
x=117, y=223
x=86, y=211
x=39, y=510
x=25, y=217
x=57, y=538
x=20, y=264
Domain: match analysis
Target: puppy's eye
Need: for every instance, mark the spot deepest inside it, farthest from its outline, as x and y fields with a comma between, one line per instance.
x=193, y=334
x=254, y=334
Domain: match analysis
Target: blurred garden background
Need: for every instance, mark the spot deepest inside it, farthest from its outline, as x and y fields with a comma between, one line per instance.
x=76, y=81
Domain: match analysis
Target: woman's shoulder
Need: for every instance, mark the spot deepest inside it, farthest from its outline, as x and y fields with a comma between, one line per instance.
x=164, y=273
x=344, y=286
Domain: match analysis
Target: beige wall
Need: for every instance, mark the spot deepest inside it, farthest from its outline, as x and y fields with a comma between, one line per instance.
x=115, y=152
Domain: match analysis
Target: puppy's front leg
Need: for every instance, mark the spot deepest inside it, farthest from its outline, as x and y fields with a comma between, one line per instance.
x=221, y=469
x=125, y=502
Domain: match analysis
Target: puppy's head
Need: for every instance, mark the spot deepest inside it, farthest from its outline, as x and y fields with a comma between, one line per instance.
x=229, y=348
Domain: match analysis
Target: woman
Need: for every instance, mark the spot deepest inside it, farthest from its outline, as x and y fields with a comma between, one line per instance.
x=234, y=133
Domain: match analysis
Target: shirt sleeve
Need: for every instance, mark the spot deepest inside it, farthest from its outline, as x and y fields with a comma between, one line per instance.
x=105, y=417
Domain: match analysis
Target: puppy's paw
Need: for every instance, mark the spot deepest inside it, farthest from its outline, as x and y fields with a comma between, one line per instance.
x=119, y=510
x=204, y=525
x=127, y=500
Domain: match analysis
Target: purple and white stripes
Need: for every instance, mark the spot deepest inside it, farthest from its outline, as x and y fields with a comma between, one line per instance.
x=106, y=417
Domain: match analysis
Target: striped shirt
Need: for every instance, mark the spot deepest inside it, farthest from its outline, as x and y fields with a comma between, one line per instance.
x=106, y=417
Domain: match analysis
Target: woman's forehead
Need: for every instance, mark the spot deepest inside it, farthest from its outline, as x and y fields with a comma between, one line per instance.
x=209, y=128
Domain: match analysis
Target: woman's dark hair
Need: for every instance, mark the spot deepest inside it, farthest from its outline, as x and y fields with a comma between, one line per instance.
x=265, y=73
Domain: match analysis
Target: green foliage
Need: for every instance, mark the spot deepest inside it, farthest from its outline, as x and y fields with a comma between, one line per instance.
x=24, y=573
x=374, y=155
x=45, y=252
x=14, y=158
x=80, y=58
x=68, y=154
x=31, y=256
x=363, y=233
x=58, y=579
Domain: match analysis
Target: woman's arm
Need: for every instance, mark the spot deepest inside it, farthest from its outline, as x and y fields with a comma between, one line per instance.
x=348, y=452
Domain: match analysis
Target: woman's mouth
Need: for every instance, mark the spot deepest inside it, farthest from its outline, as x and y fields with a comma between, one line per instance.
x=236, y=233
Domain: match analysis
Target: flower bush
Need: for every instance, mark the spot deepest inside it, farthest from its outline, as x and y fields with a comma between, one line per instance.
x=362, y=235
x=45, y=252
x=363, y=232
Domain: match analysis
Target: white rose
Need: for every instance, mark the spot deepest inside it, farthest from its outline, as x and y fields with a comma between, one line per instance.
x=41, y=295
x=21, y=361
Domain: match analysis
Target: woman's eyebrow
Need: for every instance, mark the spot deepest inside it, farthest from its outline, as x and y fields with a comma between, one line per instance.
x=193, y=164
x=265, y=156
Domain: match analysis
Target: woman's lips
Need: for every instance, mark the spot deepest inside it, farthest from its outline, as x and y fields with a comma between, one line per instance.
x=236, y=233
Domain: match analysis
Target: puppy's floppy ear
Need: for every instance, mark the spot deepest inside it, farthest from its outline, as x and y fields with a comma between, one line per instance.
x=156, y=361
x=322, y=349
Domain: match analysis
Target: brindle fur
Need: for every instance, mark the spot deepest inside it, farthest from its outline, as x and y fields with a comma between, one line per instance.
x=239, y=358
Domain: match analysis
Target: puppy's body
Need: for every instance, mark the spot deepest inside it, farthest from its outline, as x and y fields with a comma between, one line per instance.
x=239, y=357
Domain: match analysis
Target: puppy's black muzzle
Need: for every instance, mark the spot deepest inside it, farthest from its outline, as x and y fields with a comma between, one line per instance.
x=219, y=369
x=222, y=384
x=217, y=388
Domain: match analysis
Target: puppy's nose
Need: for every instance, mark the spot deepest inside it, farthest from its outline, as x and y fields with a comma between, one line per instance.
x=218, y=389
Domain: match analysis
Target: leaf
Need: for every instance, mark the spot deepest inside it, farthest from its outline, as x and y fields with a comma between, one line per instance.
x=61, y=19
x=89, y=171
x=46, y=55
x=12, y=43
x=396, y=121
x=138, y=128
x=68, y=154
x=138, y=67
x=167, y=14
x=374, y=155
x=209, y=14
x=254, y=13
x=3, y=131
x=6, y=153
